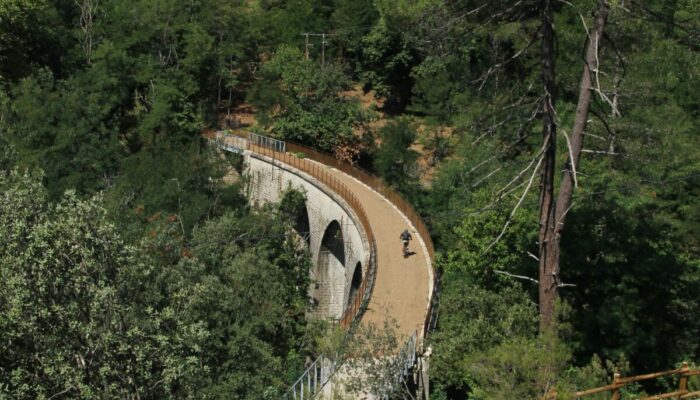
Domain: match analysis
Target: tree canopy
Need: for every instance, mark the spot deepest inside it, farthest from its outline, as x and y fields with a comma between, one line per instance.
x=130, y=265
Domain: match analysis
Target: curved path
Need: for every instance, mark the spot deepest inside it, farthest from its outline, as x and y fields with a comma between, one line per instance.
x=402, y=286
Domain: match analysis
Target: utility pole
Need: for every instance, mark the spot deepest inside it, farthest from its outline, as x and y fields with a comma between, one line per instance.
x=306, y=46
x=323, y=36
x=323, y=49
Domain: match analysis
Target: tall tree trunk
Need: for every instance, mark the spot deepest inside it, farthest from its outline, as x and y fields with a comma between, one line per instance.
x=548, y=293
x=550, y=234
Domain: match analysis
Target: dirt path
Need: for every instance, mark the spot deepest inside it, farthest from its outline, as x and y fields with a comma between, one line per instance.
x=401, y=288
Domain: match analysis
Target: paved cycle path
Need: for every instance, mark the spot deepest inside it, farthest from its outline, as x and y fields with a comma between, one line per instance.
x=401, y=288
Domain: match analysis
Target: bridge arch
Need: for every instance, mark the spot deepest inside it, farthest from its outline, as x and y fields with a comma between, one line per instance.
x=329, y=273
x=355, y=283
x=302, y=223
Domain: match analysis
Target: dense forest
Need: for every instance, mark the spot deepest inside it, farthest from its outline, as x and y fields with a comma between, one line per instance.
x=130, y=268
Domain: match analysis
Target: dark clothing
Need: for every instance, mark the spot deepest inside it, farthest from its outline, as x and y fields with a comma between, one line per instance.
x=405, y=236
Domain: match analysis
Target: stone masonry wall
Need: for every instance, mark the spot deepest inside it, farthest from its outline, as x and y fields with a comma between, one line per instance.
x=331, y=289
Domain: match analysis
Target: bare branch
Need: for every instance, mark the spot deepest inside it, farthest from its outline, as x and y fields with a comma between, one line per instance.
x=558, y=281
x=533, y=256
x=563, y=215
x=499, y=198
x=609, y=153
x=595, y=136
x=475, y=184
x=611, y=132
x=535, y=281
x=521, y=173
x=571, y=157
x=480, y=164
x=68, y=389
x=596, y=73
x=512, y=213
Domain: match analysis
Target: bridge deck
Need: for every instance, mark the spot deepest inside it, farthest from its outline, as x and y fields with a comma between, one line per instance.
x=401, y=288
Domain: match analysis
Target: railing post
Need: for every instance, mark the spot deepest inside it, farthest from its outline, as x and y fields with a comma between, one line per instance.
x=683, y=381
x=616, y=391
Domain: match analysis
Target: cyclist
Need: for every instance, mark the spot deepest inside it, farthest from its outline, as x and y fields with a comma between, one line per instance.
x=405, y=238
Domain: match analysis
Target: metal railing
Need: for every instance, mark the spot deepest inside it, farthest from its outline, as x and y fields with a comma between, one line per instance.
x=312, y=380
x=402, y=366
x=300, y=154
x=267, y=142
x=375, y=183
x=320, y=173
x=231, y=143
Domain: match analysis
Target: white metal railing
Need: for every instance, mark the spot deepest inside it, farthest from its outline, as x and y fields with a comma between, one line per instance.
x=237, y=143
x=231, y=143
x=312, y=380
x=401, y=367
x=267, y=142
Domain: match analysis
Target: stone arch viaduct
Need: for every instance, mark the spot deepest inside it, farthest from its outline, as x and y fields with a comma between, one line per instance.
x=339, y=247
x=351, y=222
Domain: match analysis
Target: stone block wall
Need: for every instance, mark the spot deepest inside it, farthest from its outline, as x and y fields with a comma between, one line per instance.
x=331, y=289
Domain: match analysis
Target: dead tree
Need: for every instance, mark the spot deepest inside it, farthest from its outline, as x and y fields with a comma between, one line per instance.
x=88, y=11
x=553, y=212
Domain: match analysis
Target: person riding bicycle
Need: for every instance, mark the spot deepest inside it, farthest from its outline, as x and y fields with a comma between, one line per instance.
x=405, y=238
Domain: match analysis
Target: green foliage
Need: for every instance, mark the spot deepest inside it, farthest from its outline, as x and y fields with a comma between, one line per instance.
x=254, y=305
x=476, y=320
x=350, y=19
x=434, y=92
x=484, y=315
x=367, y=373
x=33, y=33
x=75, y=311
x=386, y=62
x=395, y=160
x=86, y=314
x=659, y=279
x=128, y=122
x=67, y=128
x=183, y=181
x=303, y=102
x=282, y=22
x=521, y=367
x=629, y=242
x=291, y=204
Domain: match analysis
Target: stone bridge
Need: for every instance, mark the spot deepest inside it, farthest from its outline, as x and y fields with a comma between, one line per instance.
x=351, y=222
